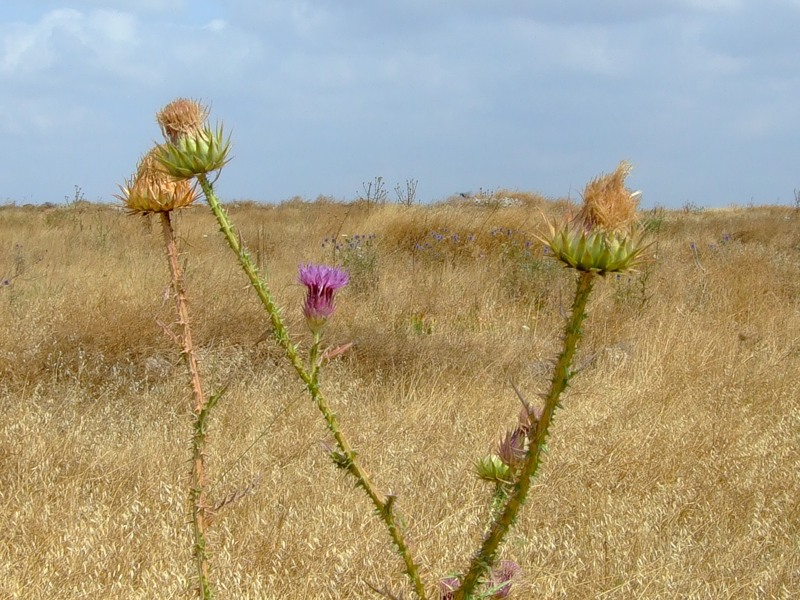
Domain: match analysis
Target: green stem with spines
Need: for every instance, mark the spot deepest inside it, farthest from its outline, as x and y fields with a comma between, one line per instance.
x=384, y=504
x=486, y=556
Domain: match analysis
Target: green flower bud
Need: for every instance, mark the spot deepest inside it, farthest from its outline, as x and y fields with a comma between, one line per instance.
x=196, y=153
x=492, y=468
x=596, y=250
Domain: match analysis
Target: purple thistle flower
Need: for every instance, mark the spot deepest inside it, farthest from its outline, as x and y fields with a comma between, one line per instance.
x=512, y=447
x=503, y=574
x=448, y=587
x=321, y=282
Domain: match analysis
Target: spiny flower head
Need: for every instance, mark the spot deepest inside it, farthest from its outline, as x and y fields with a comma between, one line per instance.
x=152, y=189
x=181, y=118
x=203, y=151
x=497, y=587
x=192, y=147
x=321, y=283
x=602, y=238
x=502, y=574
x=448, y=587
x=511, y=449
x=595, y=250
x=492, y=468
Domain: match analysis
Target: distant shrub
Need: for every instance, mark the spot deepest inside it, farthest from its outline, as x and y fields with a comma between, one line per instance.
x=358, y=254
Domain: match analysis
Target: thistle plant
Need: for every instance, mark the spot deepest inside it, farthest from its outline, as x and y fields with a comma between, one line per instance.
x=603, y=238
x=154, y=189
x=192, y=153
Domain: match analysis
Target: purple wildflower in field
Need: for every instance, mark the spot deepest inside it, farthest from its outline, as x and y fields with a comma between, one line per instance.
x=321, y=283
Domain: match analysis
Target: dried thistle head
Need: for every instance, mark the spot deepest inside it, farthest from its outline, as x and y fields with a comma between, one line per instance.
x=603, y=237
x=607, y=203
x=181, y=118
x=152, y=189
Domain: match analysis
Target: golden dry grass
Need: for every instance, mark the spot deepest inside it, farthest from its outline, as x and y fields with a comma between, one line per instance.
x=672, y=470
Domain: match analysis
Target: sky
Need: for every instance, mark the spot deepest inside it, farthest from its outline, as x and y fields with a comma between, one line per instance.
x=322, y=96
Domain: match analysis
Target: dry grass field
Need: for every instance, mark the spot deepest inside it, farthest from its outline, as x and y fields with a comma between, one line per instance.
x=672, y=470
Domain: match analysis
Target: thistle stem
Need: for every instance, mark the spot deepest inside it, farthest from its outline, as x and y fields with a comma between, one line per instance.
x=383, y=503
x=486, y=556
x=197, y=493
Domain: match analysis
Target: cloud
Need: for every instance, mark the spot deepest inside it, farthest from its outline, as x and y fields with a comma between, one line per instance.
x=67, y=54
x=130, y=6
x=527, y=93
x=66, y=37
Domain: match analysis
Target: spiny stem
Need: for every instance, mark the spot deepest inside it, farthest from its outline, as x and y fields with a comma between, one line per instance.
x=537, y=436
x=383, y=503
x=197, y=493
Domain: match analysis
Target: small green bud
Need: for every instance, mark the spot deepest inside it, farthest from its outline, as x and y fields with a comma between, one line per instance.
x=492, y=468
x=195, y=153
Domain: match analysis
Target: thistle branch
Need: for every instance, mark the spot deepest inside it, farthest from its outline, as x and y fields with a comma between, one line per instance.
x=486, y=556
x=200, y=409
x=309, y=376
